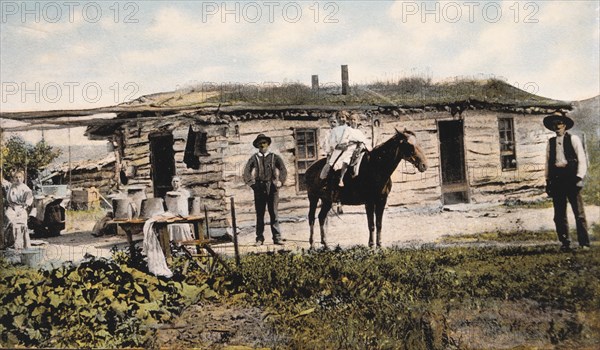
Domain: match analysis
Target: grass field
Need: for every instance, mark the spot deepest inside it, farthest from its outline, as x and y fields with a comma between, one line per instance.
x=458, y=297
x=430, y=298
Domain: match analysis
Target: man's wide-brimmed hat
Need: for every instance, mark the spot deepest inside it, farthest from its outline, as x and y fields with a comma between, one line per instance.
x=259, y=138
x=550, y=119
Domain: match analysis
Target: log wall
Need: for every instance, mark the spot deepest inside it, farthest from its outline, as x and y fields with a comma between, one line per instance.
x=102, y=179
x=488, y=181
x=220, y=174
x=206, y=182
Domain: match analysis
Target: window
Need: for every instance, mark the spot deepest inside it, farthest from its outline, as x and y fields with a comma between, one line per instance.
x=307, y=153
x=508, y=154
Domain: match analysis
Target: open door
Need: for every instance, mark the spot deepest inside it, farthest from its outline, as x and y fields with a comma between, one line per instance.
x=455, y=187
x=162, y=161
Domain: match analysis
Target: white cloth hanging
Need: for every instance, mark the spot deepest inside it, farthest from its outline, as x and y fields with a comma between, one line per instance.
x=157, y=263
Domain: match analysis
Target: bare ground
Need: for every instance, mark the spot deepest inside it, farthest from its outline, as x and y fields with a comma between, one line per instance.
x=401, y=227
x=217, y=326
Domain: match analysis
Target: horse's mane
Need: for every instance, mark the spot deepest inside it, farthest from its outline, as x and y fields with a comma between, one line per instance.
x=388, y=154
x=390, y=142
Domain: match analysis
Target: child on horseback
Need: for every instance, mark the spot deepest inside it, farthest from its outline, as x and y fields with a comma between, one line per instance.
x=344, y=142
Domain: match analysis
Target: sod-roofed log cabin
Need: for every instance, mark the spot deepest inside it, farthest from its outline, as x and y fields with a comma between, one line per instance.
x=485, y=143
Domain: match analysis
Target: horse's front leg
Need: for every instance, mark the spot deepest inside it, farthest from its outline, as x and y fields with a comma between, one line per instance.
x=311, y=219
x=325, y=207
x=379, y=208
x=370, y=207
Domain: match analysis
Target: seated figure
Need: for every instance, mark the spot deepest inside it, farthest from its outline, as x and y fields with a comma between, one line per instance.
x=345, y=141
x=179, y=232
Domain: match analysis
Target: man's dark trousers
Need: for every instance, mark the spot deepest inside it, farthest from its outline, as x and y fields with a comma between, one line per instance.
x=266, y=195
x=564, y=189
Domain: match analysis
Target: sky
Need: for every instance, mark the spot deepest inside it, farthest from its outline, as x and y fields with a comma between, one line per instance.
x=87, y=54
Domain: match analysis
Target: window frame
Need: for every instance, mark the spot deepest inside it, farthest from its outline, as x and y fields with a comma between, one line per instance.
x=302, y=170
x=506, y=139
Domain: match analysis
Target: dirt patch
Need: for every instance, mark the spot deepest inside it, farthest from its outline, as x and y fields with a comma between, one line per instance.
x=217, y=326
x=410, y=227
x=401, y=227
x=524, y=323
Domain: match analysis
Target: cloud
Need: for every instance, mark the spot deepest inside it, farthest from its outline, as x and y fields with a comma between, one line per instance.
x=35, y=23
x=149, y=57
x=76, y=51
x=174, y=43
x=534, y=42
x=172, y=25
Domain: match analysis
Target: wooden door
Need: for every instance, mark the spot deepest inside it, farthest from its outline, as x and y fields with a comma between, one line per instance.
x=455, y=187
x=162, y=161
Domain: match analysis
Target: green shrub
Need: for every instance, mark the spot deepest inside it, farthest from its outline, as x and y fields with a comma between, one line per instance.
x=97, y=303
x=399, y=298
x=350, y=299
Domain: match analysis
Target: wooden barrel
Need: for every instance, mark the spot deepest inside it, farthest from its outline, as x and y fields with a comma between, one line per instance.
x=176, y=204
x=122, y=208
x=152, y=207
x=137, y=194
x=195, y=206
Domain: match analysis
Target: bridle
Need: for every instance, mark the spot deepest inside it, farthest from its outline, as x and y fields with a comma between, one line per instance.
x=412, y=159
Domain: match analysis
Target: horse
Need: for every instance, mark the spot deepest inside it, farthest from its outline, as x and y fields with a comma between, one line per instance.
x=371, y=187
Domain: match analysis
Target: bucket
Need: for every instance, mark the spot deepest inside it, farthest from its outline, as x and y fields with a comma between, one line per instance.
x=32, y=257
x=152, y=207
x=137, y=195
x=176, y=203
x=123, y=208
x=195, y=205
x=130, y=171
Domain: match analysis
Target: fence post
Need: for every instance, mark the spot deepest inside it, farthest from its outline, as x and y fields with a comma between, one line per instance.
x=315, y=82
x=206, y=223
x=235, y=236
x=345, y=80
x=2, y=193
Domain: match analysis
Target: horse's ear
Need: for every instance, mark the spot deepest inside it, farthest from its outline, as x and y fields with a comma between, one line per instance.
x=400, y=134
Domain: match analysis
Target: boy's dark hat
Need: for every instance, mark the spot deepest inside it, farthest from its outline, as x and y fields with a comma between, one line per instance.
x=260, y=138
x=549, y=120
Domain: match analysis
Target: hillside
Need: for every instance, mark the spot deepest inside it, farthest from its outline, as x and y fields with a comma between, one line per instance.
x=587, y=116
x=81, y=153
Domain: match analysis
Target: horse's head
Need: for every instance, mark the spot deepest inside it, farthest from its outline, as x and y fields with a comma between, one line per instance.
x=411, y=152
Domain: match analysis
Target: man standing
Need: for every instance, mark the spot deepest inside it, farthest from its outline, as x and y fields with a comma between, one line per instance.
x=265, y=172
x=566, y=166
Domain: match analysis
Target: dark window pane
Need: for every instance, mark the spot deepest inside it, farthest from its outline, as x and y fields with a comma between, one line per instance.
x=300, y=138
x=507, y=144
x=301, y=152
x=311, y=152
x=306, y=153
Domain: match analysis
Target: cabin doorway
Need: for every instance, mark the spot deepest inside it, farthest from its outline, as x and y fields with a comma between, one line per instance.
x=455, y=188
x=162, y=161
